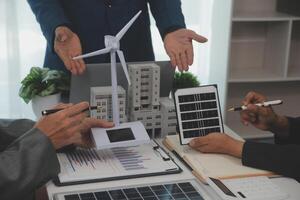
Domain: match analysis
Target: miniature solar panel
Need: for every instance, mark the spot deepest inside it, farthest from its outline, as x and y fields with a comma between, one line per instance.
x=198, y=112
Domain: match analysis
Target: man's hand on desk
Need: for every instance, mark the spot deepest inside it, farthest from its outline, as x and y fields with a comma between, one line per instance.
x=70, y=125
x=218, y=143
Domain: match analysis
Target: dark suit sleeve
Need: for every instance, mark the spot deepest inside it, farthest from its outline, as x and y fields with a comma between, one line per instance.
x=294, y=133
x=281, y=158
x=49, y=14
x=168, y=15
x=26, y=163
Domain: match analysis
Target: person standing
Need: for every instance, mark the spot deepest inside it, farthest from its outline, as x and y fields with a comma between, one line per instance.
x=76, y=27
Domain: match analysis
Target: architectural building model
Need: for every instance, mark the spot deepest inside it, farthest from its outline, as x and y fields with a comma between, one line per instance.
x=143, y=101
x=101, y=96
x=168, y=113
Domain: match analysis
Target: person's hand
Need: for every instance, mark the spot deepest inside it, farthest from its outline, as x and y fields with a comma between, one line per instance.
x=69, y=126
x=218, y=143
x=89, y=123
x=67, y=45
x=179, y=47
x=263, y=118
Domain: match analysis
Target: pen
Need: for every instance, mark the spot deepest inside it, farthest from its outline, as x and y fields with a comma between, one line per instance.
x=264, y=104
x=48, y=112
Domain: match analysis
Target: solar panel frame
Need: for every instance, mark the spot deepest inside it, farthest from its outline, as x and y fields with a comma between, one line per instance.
x=199, y=106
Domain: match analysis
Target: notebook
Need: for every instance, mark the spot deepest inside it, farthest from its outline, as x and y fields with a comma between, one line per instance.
x=205, y=165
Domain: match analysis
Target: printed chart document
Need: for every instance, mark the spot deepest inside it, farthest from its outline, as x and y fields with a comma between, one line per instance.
x=211, y=165
x=90, y=165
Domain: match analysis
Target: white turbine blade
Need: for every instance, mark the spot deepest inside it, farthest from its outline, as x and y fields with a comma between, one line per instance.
x=127, y=26
x=123, y=63
x=95, y=53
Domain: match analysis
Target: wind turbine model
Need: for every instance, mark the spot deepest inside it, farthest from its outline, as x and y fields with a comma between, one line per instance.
x=112, y=45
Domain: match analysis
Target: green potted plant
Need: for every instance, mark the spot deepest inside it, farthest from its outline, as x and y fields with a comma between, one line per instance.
x=43, y=87
x=184, y=80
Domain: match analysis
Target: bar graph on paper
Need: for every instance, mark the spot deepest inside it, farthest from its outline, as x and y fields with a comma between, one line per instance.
x=85, y=163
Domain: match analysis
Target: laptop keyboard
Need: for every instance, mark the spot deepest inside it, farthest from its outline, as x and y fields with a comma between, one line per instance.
x=176, y=191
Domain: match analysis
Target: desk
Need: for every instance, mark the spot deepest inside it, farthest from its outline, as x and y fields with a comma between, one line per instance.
x=290, y=186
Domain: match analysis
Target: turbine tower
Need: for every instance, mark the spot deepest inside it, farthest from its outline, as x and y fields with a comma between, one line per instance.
x=112, y=45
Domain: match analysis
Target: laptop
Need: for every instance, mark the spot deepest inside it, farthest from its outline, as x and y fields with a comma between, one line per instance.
x=100, y=75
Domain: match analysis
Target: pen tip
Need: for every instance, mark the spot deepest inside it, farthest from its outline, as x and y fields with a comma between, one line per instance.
x=230, y=109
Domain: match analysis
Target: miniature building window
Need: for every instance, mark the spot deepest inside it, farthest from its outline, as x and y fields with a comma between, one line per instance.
x=145, y=70
x=98, y=117
x=172, y=124
x=145, y=106
x=145, y=83
x=157, y=123
x=136, y=108
x=172, y=117
x=121, y=109
x=149, y=131
x=98, y=104
x=149, y=124
x=144, y=98
x=145, y=76
x=149, y=117
x=158, y=117
x=121, y=102
x=157, y=132
x=145, y=90
x=140, y=118
x=155, y=107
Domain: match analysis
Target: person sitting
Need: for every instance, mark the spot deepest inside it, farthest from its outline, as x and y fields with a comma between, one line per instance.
x=27, y=148
x=281, y=157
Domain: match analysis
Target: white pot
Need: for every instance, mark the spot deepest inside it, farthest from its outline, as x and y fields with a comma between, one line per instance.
x=43, y=103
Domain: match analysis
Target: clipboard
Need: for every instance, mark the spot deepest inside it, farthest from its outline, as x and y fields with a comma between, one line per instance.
x=80, y=166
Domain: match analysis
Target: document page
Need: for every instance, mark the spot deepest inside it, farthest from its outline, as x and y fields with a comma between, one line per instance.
x=86, y=164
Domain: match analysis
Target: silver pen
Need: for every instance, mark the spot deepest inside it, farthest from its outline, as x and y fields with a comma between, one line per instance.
x=263, y=104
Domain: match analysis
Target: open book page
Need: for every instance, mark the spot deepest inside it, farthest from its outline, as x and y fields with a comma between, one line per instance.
x=212, y=165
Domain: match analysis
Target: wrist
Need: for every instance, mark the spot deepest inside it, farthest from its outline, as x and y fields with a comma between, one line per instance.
x=235, y=148
x=280, y=126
